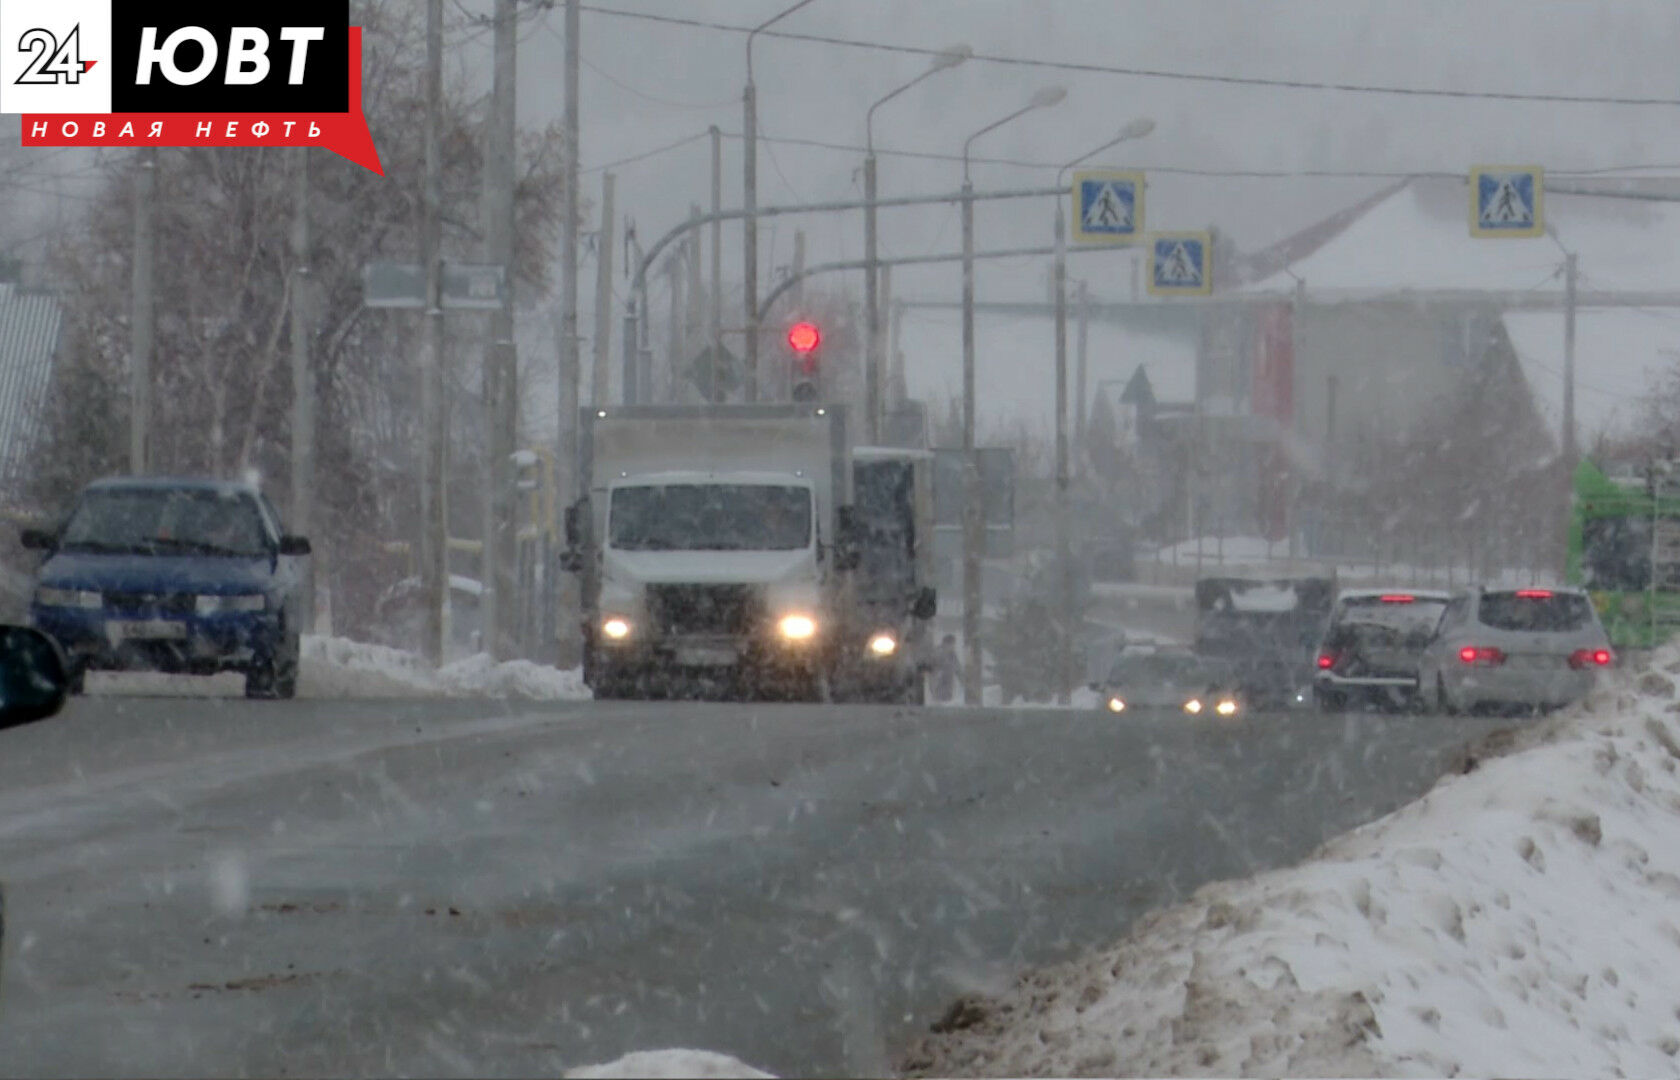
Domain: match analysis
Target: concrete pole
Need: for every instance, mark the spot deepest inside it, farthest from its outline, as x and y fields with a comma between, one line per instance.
x=749, y=167
x=872, y=309
x=883, y=380
x=1570, y=449
x=1064, y=555
x=434, y=555
x=143, y=316
x=694, y=321
x=714, y=326
x=600, y=381
x=973, y=521
x=1081, y=402
x=569, y=235
x=675, y=269
x=303, y=381
x=900, y=391
x=501, y=410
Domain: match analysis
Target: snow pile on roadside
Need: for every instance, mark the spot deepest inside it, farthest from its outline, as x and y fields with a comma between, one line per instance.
x=339, y=668
x=670, y=1065
x=1521, y=919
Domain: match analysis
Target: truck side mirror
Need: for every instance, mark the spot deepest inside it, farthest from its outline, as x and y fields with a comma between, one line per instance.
x=926, y=604
x=294, y=545
x=571, y=561
x=36, y=540
x=573, y=537
x=848, y=553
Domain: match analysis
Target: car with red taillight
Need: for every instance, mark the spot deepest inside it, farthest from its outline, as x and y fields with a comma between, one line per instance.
x=1533, y=649
x=1371, y=650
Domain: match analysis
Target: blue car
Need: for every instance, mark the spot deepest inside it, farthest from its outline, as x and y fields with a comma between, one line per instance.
x=184, y=576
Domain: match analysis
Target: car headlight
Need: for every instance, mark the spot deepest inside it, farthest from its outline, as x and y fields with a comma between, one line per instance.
x=1226, y=707
x=1116, y=705
x=1193, y=706
x=797, y=627
x=616, y=627
x=883, y=644
x=72, y=598
x=223, y=605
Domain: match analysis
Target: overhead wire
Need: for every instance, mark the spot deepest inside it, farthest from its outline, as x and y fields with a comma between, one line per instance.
x=1148, y=73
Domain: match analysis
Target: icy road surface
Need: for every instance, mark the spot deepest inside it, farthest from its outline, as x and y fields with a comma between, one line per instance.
x=222, y=887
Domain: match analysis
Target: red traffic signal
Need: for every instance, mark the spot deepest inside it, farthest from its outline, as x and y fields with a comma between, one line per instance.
x=804, y=337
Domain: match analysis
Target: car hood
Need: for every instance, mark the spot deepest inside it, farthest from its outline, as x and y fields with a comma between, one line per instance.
x=709, y=567
x=156, y=573
x=1160, y=695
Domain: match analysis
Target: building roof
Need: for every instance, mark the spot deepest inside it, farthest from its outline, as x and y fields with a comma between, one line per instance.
x=29, y=333
x=1622, y=357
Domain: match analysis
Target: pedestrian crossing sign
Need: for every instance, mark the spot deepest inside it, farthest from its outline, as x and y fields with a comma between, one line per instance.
x=1180, y=264
x=1507, y=200
x=1107, y=206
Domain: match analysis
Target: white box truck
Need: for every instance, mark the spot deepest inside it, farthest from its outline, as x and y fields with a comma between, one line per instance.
x=717, y=547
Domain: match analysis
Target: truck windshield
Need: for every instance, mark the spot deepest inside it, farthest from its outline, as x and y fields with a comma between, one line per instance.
x=166, y=521
x=710, y=517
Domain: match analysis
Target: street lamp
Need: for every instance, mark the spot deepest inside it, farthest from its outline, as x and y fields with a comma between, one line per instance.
x=749, y=166
x=973, y=670
x=944, y=61
x=1137, y=129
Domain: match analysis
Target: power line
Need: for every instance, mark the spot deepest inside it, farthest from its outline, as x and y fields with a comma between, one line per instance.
x=1150, y=73
x=1167, y=170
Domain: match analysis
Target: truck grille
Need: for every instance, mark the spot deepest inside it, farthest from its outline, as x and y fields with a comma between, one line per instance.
x=703, y=609
x=159, y=603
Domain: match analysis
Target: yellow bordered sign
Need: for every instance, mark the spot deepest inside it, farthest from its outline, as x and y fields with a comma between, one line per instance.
x=1180, y=263
x=1507, y=200
x=1107, y=206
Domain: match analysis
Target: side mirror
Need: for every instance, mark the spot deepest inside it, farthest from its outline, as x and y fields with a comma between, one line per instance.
x=926, y=604
x=571, y=561
x=37, y=540
x=34, y=680
x=848, y=554
x=294, y=545
x=574, y=531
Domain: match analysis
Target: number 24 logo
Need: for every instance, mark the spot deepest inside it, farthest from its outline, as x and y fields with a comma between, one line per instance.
x=50, y=62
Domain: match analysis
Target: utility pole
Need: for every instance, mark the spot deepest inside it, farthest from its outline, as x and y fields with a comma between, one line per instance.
x=501, y=410
x=141, y=319
x=1568, y=441
x=303, y=380
x=434, y=554
x=900, y=392
x=694, y=322
x=883, y=368
x=1081, y=402
x=749, y=271
x=1064, y=553
x=601, y=372
x=714, y=326
x=569, y=234
x=973, y=523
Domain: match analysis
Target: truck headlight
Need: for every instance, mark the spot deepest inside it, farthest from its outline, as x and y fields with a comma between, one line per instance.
x=73, y=598
x=221, y=605
x=797, y=627
x=1226, y=707
x=883, y=644
x=1116, y=705
x=1193, y=706
x=616, y=627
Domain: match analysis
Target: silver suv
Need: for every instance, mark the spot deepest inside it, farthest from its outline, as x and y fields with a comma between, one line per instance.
x=1534, y=649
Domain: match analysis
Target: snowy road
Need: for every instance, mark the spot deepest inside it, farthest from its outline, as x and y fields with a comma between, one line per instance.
x=456, y=888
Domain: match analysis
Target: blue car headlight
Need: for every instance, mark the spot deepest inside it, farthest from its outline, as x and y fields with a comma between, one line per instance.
x=88, y=599
x=224, y=605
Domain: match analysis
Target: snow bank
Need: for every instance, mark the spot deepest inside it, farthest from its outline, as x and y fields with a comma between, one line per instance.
x=340, y=668
x=669, y=1065
x=1523, y=918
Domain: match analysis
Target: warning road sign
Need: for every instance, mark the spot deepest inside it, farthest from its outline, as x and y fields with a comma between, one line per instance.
x=1107, y=206
x=1507, y=200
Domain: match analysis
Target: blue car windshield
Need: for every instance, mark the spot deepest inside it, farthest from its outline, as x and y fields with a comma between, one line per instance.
x=166, y=521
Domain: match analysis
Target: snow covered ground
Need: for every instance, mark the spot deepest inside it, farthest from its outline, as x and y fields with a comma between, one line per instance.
x=653, y=1064
x=1521, y=919
x=336, y=667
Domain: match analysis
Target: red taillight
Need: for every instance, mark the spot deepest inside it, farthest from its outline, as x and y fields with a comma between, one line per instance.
x=1397, y=598
x=1326, y=661
x=1582, y=658
x=1481, y=654
x=1535, y=594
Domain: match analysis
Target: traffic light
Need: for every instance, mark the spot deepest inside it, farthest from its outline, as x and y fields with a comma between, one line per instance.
x=804, y=339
